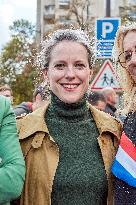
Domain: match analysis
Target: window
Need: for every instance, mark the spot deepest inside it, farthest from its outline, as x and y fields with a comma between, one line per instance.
x=132, y=14
x=49, y=11
x=49, y=8
x=64, y=4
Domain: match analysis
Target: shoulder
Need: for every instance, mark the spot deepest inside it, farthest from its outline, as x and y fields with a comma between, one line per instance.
x=100, y=115
x=24, y=117
x=4, y=102
x=105, y=122
x=23, y=108
x=32, y=123
x=5, y=106
x=7, y=115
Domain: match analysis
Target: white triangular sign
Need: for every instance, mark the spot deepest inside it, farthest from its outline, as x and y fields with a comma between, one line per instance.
x=106, y=77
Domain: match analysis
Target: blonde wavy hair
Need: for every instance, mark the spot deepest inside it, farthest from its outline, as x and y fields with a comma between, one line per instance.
x=124, y=77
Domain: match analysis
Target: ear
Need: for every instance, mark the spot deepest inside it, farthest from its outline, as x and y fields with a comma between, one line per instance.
x=45, y=72
x=91, y=74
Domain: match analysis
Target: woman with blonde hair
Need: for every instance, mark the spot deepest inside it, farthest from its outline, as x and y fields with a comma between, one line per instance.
x=124, y=166
x=122, y=57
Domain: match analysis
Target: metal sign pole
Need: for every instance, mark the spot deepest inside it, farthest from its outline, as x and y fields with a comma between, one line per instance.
x=108, y=8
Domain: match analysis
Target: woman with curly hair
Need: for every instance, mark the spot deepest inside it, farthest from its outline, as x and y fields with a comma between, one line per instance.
x=124, y=167
x=69, y=145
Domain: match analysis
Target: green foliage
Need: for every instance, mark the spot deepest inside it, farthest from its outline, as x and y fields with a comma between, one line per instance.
x=16, y=61
x=22, y=28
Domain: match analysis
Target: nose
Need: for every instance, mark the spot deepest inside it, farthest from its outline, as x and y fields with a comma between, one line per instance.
x=70, y=72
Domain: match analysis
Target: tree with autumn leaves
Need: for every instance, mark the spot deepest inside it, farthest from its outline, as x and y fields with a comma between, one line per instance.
x=17, y=61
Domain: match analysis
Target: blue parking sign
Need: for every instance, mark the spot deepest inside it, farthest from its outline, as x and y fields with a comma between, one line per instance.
x=106, y=29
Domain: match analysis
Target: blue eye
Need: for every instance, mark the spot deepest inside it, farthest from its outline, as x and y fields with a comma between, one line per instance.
x=80, y=66
x=60, y=66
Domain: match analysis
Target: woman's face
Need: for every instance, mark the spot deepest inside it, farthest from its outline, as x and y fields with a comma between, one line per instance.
x=68, y=72
x=129, y=45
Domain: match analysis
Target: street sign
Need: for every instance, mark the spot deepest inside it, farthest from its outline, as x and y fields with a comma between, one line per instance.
x=106, y=77
x=106, y=29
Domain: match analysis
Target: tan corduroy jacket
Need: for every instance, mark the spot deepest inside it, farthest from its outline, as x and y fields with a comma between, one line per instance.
x=42, y=154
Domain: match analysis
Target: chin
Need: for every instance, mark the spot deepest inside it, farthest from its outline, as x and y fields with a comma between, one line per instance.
x=70, y=98
x=70, y=101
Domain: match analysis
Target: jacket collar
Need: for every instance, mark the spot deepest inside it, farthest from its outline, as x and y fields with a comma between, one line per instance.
x=105, y=122
x=34, y=122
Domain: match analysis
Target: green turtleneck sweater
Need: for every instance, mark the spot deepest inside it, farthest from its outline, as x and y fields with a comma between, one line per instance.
x=80, y=177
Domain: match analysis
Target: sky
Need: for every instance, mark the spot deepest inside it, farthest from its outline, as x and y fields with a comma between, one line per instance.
x=11, y=10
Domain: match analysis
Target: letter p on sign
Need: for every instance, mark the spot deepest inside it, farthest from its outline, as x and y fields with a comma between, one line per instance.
x=107, y=27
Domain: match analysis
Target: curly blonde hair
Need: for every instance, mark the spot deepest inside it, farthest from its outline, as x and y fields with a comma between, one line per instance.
x=124, y=77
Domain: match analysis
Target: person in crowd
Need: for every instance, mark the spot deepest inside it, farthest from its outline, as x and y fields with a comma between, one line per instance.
x=23, y=108
x=6, y=91
x=68, y=144
x=97, y=99
x=39, y=99
x=12, y=165
x=111, y=100
x=124, y=166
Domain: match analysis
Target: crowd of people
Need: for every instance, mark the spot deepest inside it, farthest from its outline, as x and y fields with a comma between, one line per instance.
x=105, y=100
x=71, y=149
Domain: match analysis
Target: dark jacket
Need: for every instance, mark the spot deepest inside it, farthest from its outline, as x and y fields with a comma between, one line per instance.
x=110, y=109
x=23, y=108
x=124, y=193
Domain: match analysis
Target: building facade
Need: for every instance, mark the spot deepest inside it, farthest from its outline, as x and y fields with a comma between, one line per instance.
x=69, y=12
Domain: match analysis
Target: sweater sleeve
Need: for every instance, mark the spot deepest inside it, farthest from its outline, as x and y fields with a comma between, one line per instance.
x=12, y=165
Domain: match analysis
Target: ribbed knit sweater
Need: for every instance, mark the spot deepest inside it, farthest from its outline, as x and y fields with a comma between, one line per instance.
x=80, y=177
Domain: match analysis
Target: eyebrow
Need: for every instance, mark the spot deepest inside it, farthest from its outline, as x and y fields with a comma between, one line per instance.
x=59, y=61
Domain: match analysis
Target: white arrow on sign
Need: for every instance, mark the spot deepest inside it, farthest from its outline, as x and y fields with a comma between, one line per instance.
x=106, y=77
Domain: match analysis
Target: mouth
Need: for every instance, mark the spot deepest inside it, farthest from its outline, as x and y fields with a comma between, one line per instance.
x=70, y=86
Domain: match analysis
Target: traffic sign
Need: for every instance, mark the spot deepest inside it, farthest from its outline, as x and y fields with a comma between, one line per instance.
x=106, y=29
x=106, y=77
